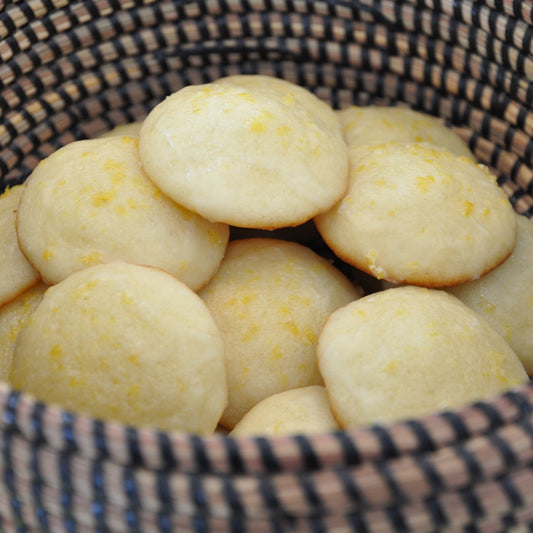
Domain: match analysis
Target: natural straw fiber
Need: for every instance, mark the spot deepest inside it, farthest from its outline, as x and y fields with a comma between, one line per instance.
x=70, y=70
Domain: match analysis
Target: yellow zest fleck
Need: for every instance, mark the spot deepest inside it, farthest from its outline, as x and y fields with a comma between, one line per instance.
x=117, y=169
x=56, y=352
x=289, y=99
x=468, y=207
x=292, y=327
x=276, y=353
x=247, y=96
x=310, y=335
x=283, y=130
x=486, y=212
x=250, y=333
x=91, y=258
x=103, y=197
x=423, y=182
x=48, y=255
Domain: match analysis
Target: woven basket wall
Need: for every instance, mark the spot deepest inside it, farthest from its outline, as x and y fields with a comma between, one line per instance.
x=70, y=70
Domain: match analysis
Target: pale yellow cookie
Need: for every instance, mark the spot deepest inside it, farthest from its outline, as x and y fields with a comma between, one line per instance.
x=410, y=351
x=248, y=154
x=296, y=411
x=130, y=129
x=270, y=299
x=90, y=202
x=379, y=125
x=17, y=274
x=125, y=342
x=417, y=214
x=504, y=296
x=13, y=317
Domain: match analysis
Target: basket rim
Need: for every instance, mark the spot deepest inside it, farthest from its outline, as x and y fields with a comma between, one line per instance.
x=66, y=432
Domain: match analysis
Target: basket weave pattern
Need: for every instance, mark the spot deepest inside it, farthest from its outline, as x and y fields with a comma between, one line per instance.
x=70, y=70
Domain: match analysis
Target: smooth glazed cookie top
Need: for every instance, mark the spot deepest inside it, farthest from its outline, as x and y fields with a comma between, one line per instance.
x=410, y=351
x=125, y=342
x=414, y=213
x=251, y=154
x=17, y=272
x=90, y=202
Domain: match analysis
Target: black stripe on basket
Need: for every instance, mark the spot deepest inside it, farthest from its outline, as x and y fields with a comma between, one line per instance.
x=197, y=493
x=233, y=454
x=424, y=439
x=272, y=502
x=169, y=458
x=268, y=457
x=457, y=424
x=388, y=446
x=134, y=446
x=472, y=466
x=99, y=438
x=307, y=454
x=8, y=478
x=351, y=455
x=431, y=474
x=471, y=503
x=129, y=484
x=68, y=432
x=436, y=512
x=350, y=487
x=383, y=468
x=201, y=455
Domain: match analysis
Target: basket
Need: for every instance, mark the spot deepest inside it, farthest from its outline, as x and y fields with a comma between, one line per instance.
x=70, y=70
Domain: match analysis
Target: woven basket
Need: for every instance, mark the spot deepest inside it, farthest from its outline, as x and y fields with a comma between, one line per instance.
x=70, y=70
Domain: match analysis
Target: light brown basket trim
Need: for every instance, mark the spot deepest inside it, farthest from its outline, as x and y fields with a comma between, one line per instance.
x=487, y=501
x=510, y=29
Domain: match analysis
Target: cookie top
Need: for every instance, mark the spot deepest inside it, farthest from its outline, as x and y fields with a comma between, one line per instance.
x=270, y=299
x=381, y=124
x=417, y=214
x=125, y=342
x=17, y=273
x=295, y=411
x=504, y=296
x=410, y=351
x=13, y=317
x=250, y=153
x=131, y=129
x=90, y=202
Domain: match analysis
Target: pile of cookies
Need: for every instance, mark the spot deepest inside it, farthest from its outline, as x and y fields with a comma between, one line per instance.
x=204, y=268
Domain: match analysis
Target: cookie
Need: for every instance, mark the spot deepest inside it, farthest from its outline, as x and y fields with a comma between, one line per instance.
x=417, y=214
x=296, y=411
x=13, y=317
x=270, y=299
x=90, y=202
x=410, y=351
x=131, y=129
x=381, y=124
x=125, y=342
x=251, y=154
x=504, y=296
x=17, y=273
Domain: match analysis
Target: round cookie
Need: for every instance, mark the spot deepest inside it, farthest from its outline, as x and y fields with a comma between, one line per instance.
x=270, y=299
x=17, y=273
x=409, y=351
x=420, y=215
x=130, y=129
x=13, y=317
x=295, y=411
x=381, y=124
x=125, y=342
x=90, y=202
x=252, y=155
x=504, y=296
